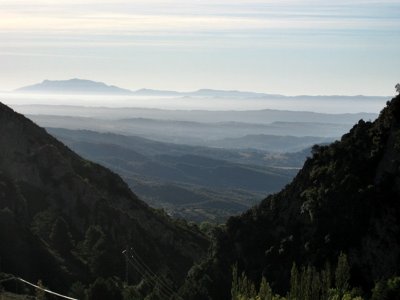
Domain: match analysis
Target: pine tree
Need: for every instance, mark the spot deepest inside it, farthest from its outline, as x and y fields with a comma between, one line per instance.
x=315, y=285
x=265, y=292
x=307, y=283
x=326, y=281
x=98, y=251
x=342, y=274
x=294, y=283
x=104, y=289
x=60, y=236
x=235, y=284
x=246, y=287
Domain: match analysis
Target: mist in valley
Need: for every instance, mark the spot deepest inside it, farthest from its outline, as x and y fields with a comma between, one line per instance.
x=203, y=155
x=210, y=102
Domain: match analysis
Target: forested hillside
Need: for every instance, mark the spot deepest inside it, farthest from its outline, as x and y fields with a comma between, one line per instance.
x=66, y=221
x=346, y=199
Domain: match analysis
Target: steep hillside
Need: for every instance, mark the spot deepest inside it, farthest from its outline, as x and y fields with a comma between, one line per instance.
x=345, y=199
x=64, y=219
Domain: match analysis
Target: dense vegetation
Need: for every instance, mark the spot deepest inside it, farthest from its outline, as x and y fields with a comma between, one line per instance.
x=66, y=221
x=308, y=283
x=345, y=199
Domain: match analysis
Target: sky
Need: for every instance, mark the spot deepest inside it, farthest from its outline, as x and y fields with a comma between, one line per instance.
x=291, y=47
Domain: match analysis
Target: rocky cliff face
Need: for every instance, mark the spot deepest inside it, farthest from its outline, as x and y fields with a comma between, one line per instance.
x=345, y=199
x=42, y=183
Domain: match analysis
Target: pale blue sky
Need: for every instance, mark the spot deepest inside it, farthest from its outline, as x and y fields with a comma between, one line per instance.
x=288, y=46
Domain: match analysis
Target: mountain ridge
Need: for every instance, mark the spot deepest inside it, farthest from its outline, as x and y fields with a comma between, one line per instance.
x=73, y=86
x=85, y=86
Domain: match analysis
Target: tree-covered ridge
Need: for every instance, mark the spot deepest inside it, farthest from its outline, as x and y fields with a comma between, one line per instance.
x=308, y=283
x=345, y=199
x=66, y=220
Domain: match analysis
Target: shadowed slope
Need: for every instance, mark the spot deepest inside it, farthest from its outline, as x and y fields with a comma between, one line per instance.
x=44, y=186
x=346, y=198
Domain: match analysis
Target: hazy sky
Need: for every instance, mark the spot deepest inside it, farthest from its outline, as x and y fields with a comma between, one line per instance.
x=276, y=46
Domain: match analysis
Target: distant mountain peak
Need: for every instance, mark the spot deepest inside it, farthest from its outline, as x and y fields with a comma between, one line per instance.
x=73, y=86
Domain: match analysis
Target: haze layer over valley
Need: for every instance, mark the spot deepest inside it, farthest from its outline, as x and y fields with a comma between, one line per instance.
x=202, y=155
x=78, y=92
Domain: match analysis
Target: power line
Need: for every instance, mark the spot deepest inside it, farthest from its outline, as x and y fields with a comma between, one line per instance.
x=147, y=274
x=162, y=282
x=37, y=287
x=166, y=285
x=146, y=269
x=164, y=293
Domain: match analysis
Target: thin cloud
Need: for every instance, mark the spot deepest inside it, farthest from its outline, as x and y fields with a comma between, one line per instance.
x=99, y=16
x=214, y=36
x=162, y=23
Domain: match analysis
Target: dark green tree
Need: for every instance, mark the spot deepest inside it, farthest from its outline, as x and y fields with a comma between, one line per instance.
x=326, y=281
x=60, y=236
x=386, y=289
x=235, y=283
x=99, y=252
x=265, y=292
x=131, y=293
x=242, y=287
x=77, y=290
x=394, y=288
x=104, y=289
x=342, y=274
x=315, y=284
x=294, y=283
